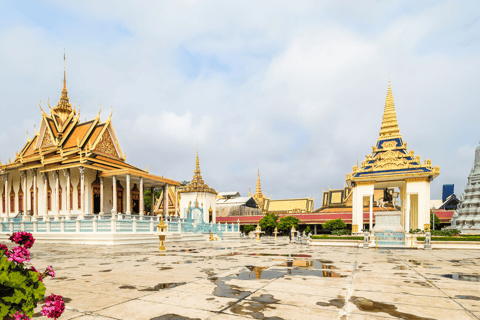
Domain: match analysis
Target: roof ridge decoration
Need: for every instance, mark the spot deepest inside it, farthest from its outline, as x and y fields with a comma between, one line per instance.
x=197, y=184
x=390, y=156
x=63, y=108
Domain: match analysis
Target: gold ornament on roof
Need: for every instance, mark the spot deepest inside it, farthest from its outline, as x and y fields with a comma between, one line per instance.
x=389, y=127
x=197, y=184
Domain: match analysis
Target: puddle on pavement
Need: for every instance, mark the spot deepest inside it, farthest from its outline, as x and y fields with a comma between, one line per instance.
x=161, y=286
x=256, y=307
x=423, y=284
x=164, y=268
x=400, y=268
x=339, y=303
x=227, y=290
x=281, y=255
x=258, y=273
x=468, y=297
x=173, y=316
x=375, y=306
x=462, y=277
x=105, y=270
x=127, y=287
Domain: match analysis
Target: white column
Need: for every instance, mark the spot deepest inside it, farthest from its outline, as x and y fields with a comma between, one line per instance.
x=370, y=227
x=45, y=188
x=407, y=214
x=142, y=200
x=101, y=197
x=114, y=199
x=33, y=206
x=152, y=197
x=25, y=192
x=66, y=173
x=82, y=191
x=7, y=194
x=57, y=195
x=354, y=206
x=165, y=200
x=129, y=210
x=176, y=202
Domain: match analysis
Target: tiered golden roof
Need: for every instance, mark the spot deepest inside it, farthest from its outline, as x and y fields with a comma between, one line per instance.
x=63, y=108
x=390, y=158
x=258, y=196
x=197, y=184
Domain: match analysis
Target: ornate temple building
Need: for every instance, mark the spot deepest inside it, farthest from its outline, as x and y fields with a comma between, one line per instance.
x=199, y=195
x=294, y=205
x=72, y=168
x=391, y=165
x=467, y=215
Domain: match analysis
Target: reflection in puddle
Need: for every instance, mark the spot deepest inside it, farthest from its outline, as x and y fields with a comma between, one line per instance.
x=161, y=286
x=127, y=287
x=468, y=297
x=256, y=307
x=226, y=290
x=339, y=303
x=374, y=306
x=256, y=273
x=173, y=316
x=463, y=277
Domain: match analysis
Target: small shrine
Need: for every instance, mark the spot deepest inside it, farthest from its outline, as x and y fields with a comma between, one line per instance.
x=391, y=165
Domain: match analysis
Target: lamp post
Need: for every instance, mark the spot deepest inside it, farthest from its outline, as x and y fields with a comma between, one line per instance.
x=433, y=216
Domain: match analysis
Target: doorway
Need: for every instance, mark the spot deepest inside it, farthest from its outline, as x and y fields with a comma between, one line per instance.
x=135, y=195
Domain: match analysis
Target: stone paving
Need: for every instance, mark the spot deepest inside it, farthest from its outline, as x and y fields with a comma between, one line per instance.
x=245, y=280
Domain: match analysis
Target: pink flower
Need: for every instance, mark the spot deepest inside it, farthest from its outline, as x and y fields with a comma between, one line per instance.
x=23, y=238
x=54, y=307
x=19, y=255
x=20, y=316
x=50, y=271
x=3, y=248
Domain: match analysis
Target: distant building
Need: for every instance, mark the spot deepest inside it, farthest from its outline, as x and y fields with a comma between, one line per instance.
x=230, y=204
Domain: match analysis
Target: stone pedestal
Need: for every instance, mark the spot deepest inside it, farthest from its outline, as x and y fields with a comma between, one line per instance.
x=388, y=220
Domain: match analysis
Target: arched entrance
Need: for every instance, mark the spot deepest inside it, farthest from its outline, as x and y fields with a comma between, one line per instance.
x=120, y=191
x=96, y=195
x=135, y=196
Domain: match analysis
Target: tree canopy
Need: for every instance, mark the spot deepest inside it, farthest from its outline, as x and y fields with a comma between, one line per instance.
x=269, y=222
x=286, y=223
x=335, y=224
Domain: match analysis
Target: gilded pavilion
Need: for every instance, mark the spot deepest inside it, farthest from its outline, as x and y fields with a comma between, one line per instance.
x=198, y=194
x=390, y=165
x=293, y=205
x=72, y=168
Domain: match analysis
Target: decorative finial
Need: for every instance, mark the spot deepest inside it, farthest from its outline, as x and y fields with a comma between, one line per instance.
x=98, y=115
x=43, y=112
x=147, y=168
x=48, y=102
x=64, y=77
x=36, y=132
x=110, y=116
x=28, y=137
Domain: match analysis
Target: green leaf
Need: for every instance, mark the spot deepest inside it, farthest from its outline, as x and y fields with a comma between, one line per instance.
x=4, y=310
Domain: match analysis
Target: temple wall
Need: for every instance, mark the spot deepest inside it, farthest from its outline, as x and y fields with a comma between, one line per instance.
x=208, y=199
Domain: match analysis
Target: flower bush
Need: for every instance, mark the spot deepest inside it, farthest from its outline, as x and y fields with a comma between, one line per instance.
x=21, y=288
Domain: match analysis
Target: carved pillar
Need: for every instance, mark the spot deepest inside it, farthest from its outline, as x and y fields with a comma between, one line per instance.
x=176, y=202
x=152, y=202
x=114, y=195
x=142, y=200
x=129, y=210
x=82, y=190
x=165, y=200
x=66, y=173
x=101, y=197
x=57, y=194
x=371, y=214
x=45, y=191
x=33, y=206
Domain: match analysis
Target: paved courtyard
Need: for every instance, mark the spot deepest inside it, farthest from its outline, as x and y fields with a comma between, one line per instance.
x=246, y=280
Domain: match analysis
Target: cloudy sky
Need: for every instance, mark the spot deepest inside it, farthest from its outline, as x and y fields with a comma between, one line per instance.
x=295, y=88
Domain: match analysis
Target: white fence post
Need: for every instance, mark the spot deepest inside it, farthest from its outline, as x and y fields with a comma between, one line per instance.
x=11, y=226
x=134, y=225
x=47, y=221
x=151, y=224
x=94, y=224
x=62, y=225
x=22, y=226
x=113, y=220
x=77, y=224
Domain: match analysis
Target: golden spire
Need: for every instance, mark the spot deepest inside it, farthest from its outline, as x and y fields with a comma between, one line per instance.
x=63, y=108
x=389, y=127
x=258, y=191
x=197, y=184
x=249, y=192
